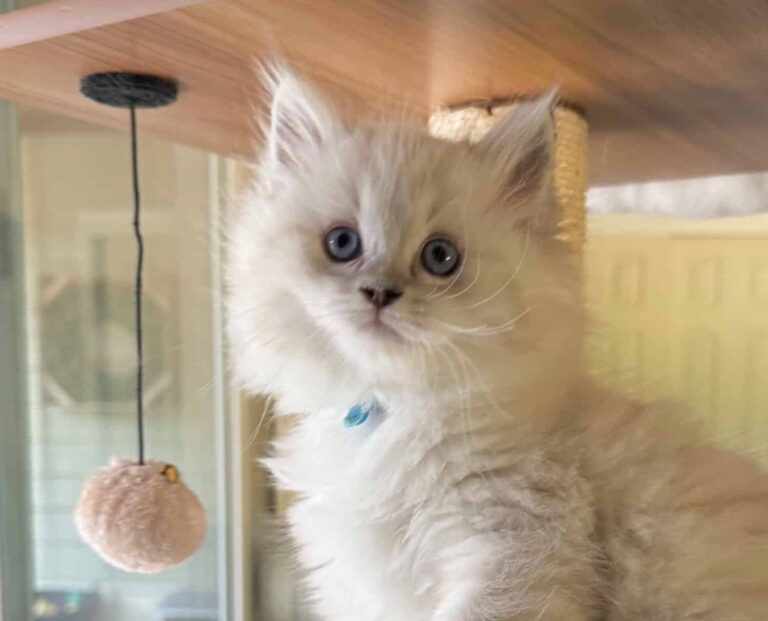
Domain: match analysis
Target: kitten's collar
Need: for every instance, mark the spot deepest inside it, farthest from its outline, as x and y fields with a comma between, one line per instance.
x=359, y=413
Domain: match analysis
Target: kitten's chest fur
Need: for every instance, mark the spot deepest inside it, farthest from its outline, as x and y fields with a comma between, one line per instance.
x=382, y=503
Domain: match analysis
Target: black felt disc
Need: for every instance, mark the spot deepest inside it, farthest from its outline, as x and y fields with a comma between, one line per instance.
x=122, y=89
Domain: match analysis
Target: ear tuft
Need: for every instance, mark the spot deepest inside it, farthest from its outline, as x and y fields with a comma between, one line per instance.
x=300, y=119
x=522, y=143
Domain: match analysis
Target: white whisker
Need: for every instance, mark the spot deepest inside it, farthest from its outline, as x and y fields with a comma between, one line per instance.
x=252, y=438
x=469, y=286
x=483, y=330
x=512, y=277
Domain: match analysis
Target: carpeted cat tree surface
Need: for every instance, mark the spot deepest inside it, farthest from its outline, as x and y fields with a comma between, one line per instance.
x=472, y=121
x=140, y=518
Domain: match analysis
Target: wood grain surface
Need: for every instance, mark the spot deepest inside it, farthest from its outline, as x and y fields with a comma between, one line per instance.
x=39, y=21
x=671, y=88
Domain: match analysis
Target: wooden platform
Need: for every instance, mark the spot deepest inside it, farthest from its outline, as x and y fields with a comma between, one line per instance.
x=671, y=88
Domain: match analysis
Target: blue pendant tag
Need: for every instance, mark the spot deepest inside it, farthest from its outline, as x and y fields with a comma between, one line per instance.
x=359, y=413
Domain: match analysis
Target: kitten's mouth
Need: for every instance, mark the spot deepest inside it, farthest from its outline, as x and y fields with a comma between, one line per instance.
x=381, y=325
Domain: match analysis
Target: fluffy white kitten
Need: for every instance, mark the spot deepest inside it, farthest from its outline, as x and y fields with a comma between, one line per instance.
x=491, y=482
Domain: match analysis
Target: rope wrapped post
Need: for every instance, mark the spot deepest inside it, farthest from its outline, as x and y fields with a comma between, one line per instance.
x=472, y=121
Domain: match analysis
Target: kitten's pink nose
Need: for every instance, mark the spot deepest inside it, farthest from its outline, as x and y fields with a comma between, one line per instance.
x=380, y=296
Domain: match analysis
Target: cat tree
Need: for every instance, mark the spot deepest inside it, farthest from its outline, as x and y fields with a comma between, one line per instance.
x=473, y=120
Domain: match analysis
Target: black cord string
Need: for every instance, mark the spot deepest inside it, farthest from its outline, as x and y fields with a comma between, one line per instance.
x=125, y=89
x=138, y=289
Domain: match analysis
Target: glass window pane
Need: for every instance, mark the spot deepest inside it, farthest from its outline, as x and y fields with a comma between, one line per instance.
x=15, y=570
x=80, y=268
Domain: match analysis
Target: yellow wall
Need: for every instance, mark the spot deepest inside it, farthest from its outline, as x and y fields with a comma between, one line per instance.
x=680, y=310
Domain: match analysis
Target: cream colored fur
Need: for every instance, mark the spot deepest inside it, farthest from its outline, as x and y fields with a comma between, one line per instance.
x=500, y=484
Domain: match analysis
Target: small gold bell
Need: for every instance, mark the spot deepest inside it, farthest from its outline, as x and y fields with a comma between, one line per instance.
x=171, y=473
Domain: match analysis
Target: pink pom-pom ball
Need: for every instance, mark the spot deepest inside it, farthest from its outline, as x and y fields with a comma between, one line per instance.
x=140, y=518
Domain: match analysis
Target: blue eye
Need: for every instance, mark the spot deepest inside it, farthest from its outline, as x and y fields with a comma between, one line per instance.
x=342, y=244
x=440, y=257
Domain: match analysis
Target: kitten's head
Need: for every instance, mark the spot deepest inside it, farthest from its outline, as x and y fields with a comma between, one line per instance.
x=370, y=256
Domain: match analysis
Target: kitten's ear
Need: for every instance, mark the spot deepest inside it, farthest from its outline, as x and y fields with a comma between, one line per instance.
x=522, y=145
x=300, y=119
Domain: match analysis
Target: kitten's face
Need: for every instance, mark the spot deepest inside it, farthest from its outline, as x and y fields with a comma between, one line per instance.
x=386, y=231
x=381, y=253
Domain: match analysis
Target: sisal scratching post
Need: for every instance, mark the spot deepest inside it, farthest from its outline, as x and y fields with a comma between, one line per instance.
x=471, y=122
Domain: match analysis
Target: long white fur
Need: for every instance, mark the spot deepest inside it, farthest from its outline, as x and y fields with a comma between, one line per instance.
x=500, y=484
